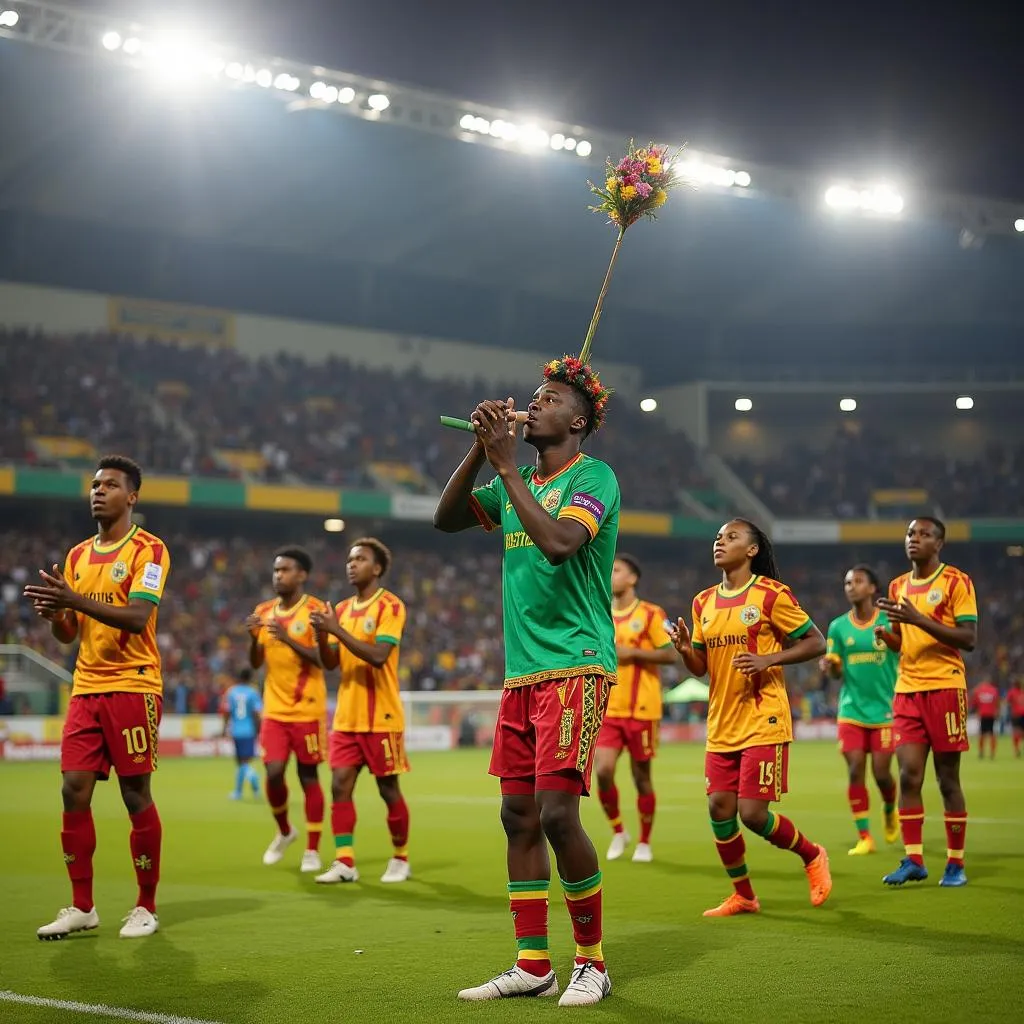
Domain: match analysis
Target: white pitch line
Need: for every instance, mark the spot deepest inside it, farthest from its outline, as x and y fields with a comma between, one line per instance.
x=101, y=1010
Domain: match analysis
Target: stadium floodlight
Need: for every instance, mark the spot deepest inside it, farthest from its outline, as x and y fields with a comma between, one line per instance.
x=743, y=405
x=334, y=525
x=378, y=101
x=346, y=95
x=557, y=141
x=533, y=137
x=264, y=78
x=648, y=404
x=132, y=45
x=743, y=179
x=569, y=145
x=9, y=19
x=1018, y=224
x=111, y=41
x=235, y=71
x=881, y=199
x=317, y=90
x=288, y=83
x=964, y=402
x=695, y=168
x=848, y=404
x=583, y=148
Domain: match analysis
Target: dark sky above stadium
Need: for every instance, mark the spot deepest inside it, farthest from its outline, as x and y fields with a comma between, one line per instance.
x=898, y=89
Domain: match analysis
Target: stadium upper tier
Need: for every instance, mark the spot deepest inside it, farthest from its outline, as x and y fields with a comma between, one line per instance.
x=226, y=199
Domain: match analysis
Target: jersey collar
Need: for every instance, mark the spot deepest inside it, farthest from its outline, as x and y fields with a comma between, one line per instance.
x=106, y=549
x=621, y=616
x=537, y=479
x=358, y=606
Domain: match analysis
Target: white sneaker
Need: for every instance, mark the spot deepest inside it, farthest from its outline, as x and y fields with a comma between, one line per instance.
x=310, y=862
x=514, y=982
x=68, y=921
x=588, y=986
x=139, y=923
x=643, y=854
x=338, y=872
x=275, y=851
x=397, y=871
x=618, y=845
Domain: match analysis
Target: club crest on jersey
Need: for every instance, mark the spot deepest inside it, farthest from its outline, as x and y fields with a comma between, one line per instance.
x=369, y=625
x=849, y=641
x=298, y=628
x=119, y=572
x=636, y=625
x=934, y=596
x=552, y=500
x=750, y=615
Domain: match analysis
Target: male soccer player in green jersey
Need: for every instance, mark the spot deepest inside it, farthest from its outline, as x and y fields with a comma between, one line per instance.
x=560, y=521
x=858, y=656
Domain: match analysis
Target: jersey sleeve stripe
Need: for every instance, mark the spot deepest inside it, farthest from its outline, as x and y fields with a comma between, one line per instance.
x=801, y=630
x=698, y=646
x=966, y=618
x=381, y=639
x=145, y=596
x=583, y=517
x=482, y=517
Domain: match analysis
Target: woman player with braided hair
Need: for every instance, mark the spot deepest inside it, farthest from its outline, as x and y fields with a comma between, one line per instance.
x=744, y=631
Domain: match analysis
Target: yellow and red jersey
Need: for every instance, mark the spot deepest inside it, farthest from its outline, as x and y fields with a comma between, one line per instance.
x=637, y=693
x=294, y=689
x=368, y=697
x=947, y=596
x=135, y=567
x=757, y=618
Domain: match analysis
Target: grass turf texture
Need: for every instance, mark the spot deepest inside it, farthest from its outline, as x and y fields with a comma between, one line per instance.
x=244, y=943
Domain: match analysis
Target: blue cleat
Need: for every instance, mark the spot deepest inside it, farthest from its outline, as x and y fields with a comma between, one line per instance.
x=954, y=876
x=908, y=871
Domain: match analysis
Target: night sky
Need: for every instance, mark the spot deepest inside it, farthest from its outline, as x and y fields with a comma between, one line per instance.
x=866, y=88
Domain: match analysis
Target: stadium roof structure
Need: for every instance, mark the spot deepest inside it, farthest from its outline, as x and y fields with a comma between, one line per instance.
x=255, y=195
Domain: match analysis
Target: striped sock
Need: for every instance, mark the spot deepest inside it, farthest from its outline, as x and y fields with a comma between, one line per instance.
x=398, y=827
x=860, y=805
x=956, y=837
x=583, y=900
x=732, y=851
x=528, y=902
x=610, y=805
x=782, y=833
x=343, y=825
x=912, y=828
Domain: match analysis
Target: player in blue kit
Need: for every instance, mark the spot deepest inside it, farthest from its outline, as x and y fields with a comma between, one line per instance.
x=241, y=708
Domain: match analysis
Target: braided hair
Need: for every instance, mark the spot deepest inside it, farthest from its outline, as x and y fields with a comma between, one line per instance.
x=763, y=563
x=869, y=573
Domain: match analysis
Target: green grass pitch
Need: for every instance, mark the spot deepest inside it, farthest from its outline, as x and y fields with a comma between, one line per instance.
x=244, y=943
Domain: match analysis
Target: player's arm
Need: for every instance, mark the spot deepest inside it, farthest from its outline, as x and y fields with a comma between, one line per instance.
x=557, y=539
x=691, y=647
x=831, y=664
x=54, y=594
x=326, y=624
x=649, y=656
x=454, y=511
x=307, y=652
x=803, y=640
x=962, y=635
x=254, y=624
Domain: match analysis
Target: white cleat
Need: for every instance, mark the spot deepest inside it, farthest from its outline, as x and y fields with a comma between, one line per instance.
x=643, y=854
x=514, y=982
x=618, y=845
x=397, y=871
x=588, y=986
x=275, y=851
x=338, y=872
x=139, y=923
x=68, y=921
x=311, y=862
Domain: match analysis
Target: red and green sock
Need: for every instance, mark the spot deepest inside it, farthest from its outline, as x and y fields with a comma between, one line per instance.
x=610, y=805
x=528, y=902
x=860, y=805
x=782, y=833
x=78, y=841
x=912, y=829
x=888, y=791
x=732, y=851
x=583, y=901
x=343, y=825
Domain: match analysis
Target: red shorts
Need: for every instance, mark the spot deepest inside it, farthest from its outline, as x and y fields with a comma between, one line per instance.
x=111, y=729
x=306, y=740
x=754, y=773
x=637, y=735
x=548, y=729
x=936, y=718
x=382, y=752
x=871, y=739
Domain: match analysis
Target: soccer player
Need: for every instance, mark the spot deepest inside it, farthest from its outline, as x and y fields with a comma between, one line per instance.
x=985, y=703
x=744, y=631
x=1015, y=700
x=106, y=598
x=241, y=708
x=934, y=614
x=363, y=634
x=559, y=520
x=634, y=706
x=868, y=671
x=295, y=700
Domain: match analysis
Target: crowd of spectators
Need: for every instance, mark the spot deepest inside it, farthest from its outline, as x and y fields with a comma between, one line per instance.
x=453, y=638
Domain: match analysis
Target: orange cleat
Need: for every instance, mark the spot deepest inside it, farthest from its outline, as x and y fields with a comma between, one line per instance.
x=734, y=904
x=819, y=877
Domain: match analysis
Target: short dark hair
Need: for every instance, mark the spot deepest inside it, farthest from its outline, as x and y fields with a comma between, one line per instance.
x=869, y=572
x=631, y=561
x=381, y=552
x=584, y=407
x=940, y=526
x=300, y=556
x=131, y=469
x=245, y=674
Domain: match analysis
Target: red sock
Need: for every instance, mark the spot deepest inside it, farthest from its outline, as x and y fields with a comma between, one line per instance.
x=860, y=805
x=583, y=900
x=343, y=825
x=912, y=827
x=314, y=795
x=528, y=902
x=145, y=838
x=277, y=797
x=610, y=804
x=732, y=851
x=956, y=837
x=78, y=841
x=781, y=832
x=398, y=826
x=645, y=808
x=1016, y=743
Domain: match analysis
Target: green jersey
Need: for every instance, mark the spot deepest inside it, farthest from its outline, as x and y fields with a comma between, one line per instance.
x=557, y=618
x=869, y=670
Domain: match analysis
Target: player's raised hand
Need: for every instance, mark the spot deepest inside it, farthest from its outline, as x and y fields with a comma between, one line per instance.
x=276, y=630
x=680, y=636
x=491, y=422
x=324, y=620
x=901, y=611
x=52, y=591
x=253, y=623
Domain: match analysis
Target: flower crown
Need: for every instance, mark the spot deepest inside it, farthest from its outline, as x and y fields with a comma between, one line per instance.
x=577, y=374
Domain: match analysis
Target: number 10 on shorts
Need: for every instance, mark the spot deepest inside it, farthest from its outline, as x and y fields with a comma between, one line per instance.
x=135, y=740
